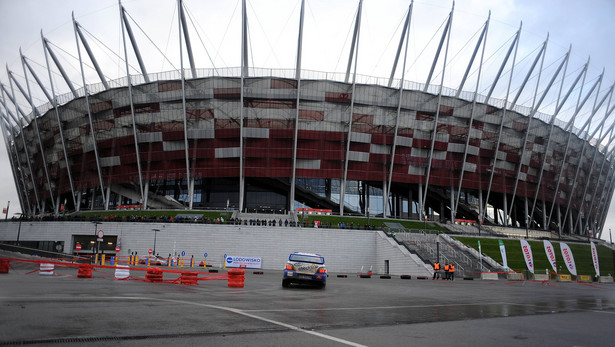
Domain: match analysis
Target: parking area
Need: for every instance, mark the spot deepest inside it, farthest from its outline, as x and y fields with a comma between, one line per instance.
x=63, y=309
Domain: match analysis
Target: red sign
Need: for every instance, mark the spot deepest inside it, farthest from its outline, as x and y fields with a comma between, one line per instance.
x=150, y=251
x=117, y=248
x=78, y=247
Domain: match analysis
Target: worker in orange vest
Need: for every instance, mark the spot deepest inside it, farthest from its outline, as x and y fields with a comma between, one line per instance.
x=451, y=270
x=436, y=270
x=446, y=269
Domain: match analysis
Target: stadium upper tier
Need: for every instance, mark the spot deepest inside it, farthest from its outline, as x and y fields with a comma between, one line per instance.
x=270, y=140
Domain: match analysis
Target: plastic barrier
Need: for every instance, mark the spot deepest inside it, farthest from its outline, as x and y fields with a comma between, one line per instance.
x=489, y=276
x=4, y=266
x=236, y=278
x=153, y=275
x=84, y=271
x=122, y=272
x=189, y=278
x=46, y=269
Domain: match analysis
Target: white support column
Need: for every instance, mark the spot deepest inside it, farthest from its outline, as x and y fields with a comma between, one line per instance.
x=515, y=45
x=354, y=79
x=452, y=204
x=19, y=123
x=291, y=202
x=108, y=195
x=89, y=52
x=78, y=207
x=89, y=109
x=133, y=42
x=146, y=195
x=132, y=106
x=534, y=109
x=22, y=190
x=399, y=101
x=582, y=154
x=54, y=101
x=434, y=133
x=569, y=129
x=56, y=61
x=180, y=14
x=505, y=202
x=28, y=96
x=244, y=74
x=558, y=108
x=481, y=41
x=601, y=137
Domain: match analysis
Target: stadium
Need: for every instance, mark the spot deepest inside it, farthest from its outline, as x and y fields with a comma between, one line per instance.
x=275, y=140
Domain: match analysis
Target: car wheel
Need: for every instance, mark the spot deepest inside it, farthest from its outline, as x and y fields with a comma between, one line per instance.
x=285, y=283
x=323, y=285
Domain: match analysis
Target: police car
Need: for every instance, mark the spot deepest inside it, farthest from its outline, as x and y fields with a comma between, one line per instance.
x=305, y=268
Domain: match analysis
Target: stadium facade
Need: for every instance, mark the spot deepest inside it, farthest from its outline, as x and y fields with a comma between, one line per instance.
x=270, y=140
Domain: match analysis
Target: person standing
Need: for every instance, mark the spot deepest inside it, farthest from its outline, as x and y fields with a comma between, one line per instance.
x=446, y=268
x=451, y=269
x=436, y=270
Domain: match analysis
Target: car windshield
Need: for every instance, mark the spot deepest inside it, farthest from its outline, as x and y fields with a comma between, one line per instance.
x=306, y=258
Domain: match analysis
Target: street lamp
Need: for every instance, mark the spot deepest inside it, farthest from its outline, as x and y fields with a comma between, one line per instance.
x=155, y=232
x=95, y=249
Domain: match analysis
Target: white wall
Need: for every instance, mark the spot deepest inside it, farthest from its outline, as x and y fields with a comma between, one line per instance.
x=344, y=250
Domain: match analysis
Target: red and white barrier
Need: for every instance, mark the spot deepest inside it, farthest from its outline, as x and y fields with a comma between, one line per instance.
x=46, y=269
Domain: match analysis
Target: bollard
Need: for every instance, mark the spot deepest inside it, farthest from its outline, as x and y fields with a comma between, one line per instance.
x=102, y=260
x=236, y=278
x=154, y=275
x=84, y=271
x=4, y=266
x=136, y=260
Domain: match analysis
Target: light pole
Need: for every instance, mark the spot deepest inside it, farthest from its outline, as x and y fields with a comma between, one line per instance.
x=19, y=227
x=368, y=218
x=527, y=230
x=95, y=249
x=155, y=232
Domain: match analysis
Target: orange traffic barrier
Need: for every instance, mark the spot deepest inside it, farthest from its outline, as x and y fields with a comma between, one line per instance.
x=189, y=278
x=84, y=271
x=153, y=275
x=236, y=278
x=4, y=266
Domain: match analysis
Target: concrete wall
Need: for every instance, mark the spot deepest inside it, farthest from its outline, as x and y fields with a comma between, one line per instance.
x=344, y=250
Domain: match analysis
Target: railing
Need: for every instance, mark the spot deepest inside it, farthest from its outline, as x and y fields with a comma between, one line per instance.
x=42, y=253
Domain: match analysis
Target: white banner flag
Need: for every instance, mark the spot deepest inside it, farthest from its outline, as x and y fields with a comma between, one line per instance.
x=549, y=250
x=527, y=255
x=568, y=258
x=503, y=252
x=595, y=258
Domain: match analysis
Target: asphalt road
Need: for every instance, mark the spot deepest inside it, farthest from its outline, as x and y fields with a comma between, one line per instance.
x=66, y=310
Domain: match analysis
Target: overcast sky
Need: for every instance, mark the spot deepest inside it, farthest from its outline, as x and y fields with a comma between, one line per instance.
x=215, y=28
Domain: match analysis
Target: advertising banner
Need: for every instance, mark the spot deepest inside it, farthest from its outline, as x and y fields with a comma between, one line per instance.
x=595, y=258
x=503, y=252
x=549, y=250
x=568, y=258
x=527, y=255
x=247, y=262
